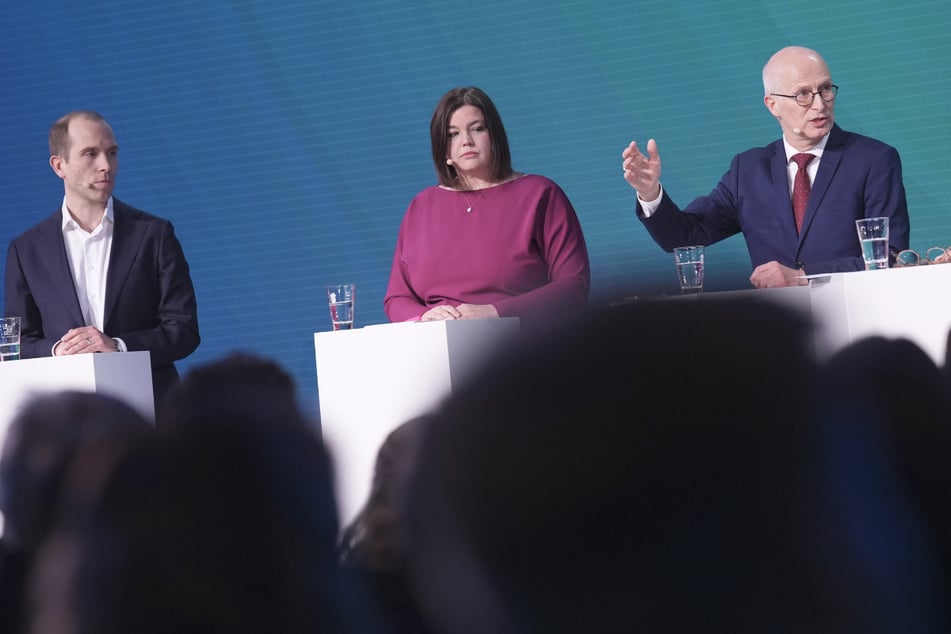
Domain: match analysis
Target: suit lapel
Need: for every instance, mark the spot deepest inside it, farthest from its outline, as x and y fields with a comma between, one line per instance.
x=831, y=156
x=780, y=176
x=126, y=236
x=57, y=266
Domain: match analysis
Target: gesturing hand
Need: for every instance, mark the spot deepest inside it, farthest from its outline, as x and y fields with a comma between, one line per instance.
x=642, y=172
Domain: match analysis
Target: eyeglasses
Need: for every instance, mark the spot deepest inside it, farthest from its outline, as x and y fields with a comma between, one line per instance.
x=806, y=97
x=934, y=255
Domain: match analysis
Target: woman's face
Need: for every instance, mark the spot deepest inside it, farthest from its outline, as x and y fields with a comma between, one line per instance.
x=470, y=147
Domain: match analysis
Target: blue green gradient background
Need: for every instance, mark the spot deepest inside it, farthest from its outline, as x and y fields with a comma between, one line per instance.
x=285, y=139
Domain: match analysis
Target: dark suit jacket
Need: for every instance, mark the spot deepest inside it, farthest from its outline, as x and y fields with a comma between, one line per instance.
x=150, y=300
x=858, y=177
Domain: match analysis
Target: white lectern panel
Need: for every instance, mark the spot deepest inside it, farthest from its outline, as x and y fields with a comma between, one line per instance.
x=126, y=376
x=912, y=303
x=372, y=379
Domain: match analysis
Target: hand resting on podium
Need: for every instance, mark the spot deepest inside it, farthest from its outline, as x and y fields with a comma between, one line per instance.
x=462, y=311
x=84, y=339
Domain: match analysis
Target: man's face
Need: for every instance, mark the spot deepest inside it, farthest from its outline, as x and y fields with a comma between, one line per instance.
x=89, y=171
x=803, y=125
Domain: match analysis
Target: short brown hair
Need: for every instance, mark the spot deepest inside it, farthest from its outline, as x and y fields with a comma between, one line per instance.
x=439, y=133
x=59, y=131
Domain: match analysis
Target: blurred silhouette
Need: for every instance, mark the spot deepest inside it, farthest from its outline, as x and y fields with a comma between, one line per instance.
x=371, y=547
x=41, y=443
x=224, y=522
x=888, y=396
x=946, y=368
x=240, y=384
x=652, y=467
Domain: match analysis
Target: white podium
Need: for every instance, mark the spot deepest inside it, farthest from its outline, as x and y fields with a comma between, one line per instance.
x=912, y=303
x=372, y=379
x=126, y=376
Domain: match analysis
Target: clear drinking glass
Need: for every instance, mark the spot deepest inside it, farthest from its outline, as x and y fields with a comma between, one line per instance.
x=873, y=234
x=689, y=261
x=340, y=299
x=10, y=339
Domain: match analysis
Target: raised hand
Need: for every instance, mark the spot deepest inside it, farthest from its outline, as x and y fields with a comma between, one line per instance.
x=642, y=172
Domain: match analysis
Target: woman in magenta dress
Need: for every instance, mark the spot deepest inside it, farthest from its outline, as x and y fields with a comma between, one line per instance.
x=487, y=241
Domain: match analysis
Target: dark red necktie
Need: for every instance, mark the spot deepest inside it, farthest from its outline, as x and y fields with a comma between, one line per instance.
x=801, y=188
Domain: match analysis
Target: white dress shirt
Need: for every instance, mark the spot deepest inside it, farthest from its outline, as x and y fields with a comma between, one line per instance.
x=88, y=253
x=811, y=169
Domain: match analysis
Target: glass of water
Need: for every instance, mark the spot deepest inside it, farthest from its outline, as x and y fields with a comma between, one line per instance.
x=340, y=298
x=10, y=339
x=689, y=261
x=873, y=234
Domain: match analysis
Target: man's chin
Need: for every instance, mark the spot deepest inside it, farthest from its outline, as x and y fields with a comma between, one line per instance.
x=101, y=194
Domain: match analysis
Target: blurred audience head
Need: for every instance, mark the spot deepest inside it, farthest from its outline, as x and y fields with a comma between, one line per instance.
x=652, y=466
x=892, y=379
x=45, y=480
x=41, y=441
x=372, y=540
x=887, y=398
x=239, y=385
x=224, y=526
x=372, y=546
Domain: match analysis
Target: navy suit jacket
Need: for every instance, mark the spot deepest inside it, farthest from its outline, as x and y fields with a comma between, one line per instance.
x=858, y=177
x=150, y=301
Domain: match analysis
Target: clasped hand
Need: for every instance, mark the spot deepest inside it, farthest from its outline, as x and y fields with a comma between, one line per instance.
x=84, y=339
x=462, y=311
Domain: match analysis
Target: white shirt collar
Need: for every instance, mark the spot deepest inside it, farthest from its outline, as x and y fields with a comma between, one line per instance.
x=70, y=223
x=817, y=150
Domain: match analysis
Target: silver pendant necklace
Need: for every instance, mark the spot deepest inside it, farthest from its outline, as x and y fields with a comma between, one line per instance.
x=470, y=205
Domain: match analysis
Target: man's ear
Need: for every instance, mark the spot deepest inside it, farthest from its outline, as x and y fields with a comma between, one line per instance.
x=56, y=162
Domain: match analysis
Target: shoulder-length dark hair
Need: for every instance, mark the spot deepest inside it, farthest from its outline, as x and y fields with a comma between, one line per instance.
x=439, y=134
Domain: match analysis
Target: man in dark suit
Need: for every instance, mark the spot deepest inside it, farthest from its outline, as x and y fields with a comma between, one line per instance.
x=851, y=176
x=99, y=275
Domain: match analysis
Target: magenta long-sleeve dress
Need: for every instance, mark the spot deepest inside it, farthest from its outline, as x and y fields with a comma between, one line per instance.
x=521, y=249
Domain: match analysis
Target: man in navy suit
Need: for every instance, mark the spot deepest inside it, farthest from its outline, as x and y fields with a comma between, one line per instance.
x=99, y=275
x=852, y=176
